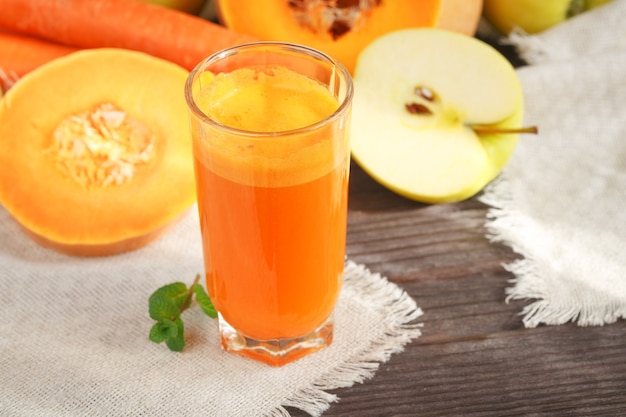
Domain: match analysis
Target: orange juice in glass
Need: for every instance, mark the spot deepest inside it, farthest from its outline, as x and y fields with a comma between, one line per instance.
x=270, y=128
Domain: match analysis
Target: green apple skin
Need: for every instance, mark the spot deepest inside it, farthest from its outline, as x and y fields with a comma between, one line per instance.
x=187, y=6
x=438, y=157
x=533, y=16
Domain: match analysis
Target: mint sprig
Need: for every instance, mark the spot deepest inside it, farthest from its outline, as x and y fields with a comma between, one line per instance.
x=166, y=306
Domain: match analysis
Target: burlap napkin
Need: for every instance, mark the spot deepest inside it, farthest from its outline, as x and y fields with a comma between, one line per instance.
x=561, y=201
x=74, y=338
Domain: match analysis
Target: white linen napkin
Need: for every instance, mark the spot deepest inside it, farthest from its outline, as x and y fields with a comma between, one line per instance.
x=561, y=200
x=74, y=338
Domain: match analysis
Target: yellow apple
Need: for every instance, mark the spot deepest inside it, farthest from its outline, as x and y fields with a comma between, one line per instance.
x=435, y=113
x=187, y=6
x=533, y=16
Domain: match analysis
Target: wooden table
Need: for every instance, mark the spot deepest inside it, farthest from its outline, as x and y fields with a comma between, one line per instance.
x=474, y=358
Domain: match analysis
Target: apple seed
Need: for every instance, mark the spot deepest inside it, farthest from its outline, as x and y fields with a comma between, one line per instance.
x=417, y=108
x=424, y=92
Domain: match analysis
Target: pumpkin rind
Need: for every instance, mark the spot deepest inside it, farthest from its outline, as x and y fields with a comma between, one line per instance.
x=274, y=21
x=55, y=210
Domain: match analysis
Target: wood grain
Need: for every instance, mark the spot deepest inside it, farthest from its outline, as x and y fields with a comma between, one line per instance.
x=475, y=358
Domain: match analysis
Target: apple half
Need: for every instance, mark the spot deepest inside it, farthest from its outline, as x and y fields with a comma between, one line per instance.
x=430, y=112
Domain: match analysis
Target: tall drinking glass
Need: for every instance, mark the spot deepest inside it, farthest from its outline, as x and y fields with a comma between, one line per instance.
x=270, y=126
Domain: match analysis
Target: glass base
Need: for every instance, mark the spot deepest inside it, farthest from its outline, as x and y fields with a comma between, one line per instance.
x=275, y=352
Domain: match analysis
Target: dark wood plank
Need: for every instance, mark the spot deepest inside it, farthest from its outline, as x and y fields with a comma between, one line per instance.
x=474, y=358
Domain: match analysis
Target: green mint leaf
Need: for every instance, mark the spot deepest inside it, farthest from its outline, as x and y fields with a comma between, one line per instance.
x=171, y=327
x=177, y=292
x=162, y=307
x=157, y=335
x=177, y=342
x=204, y=301
x=164, y=329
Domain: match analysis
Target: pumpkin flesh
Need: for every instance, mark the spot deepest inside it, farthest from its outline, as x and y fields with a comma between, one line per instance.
x=94, y=219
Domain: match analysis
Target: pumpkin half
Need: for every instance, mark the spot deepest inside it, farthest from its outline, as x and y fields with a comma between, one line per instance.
x=95, y=151
x=340, y=28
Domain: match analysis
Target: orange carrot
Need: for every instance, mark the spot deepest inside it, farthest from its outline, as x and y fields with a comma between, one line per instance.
x=20, y=54
x=179, y=37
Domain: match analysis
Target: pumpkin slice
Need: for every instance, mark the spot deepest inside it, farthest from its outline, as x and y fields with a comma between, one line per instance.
x=340, y=28
x=95, y=151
